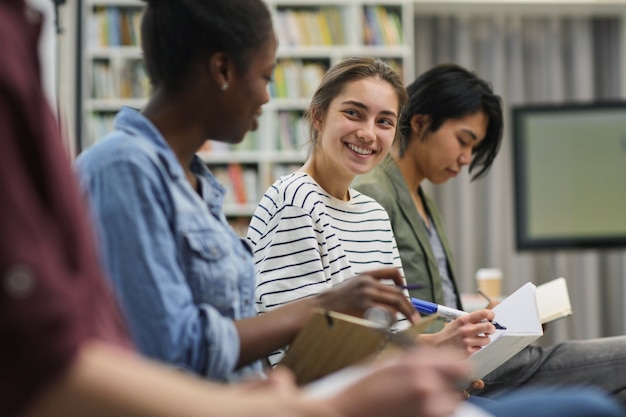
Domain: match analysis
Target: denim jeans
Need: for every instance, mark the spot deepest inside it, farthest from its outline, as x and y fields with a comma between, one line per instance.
x=551, y=402
x=599, y=363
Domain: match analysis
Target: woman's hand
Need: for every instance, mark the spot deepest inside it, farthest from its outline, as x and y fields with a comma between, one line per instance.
x=469, y=332
x=366, y=291
x=420, y=383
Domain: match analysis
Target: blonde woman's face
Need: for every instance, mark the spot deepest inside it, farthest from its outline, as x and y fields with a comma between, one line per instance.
x=358, y=128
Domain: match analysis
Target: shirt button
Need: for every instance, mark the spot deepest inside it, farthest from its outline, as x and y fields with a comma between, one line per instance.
x=19, y=282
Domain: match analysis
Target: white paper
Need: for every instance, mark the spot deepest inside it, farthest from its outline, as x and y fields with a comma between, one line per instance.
x=334, y=383
x=520, y=315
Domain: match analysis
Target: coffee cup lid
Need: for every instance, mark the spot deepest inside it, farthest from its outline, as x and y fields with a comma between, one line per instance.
x=487, y=273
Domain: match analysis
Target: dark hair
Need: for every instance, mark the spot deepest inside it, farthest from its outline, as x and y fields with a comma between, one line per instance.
x=448, y=91
x=346, y=71
x=175, y=33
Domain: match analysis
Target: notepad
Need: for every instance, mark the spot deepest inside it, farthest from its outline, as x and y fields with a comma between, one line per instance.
x=553, y=300
x=520, y=315
x=331, y=341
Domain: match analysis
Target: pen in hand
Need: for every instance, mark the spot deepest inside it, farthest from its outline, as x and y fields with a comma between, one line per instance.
x=426, y=307
x=411, y=287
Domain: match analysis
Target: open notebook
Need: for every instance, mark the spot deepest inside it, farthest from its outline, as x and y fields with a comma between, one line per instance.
x=520, y=315
x=553, y=300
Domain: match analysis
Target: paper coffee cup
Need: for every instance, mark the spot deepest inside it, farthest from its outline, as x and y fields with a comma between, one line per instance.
x=489, y=281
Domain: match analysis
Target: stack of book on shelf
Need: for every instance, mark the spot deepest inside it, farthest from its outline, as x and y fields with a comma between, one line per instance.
x=114, y=26
x=309, y=26
x=382, y=27
x=240, y=183
x=294, y=78
x=127, y=80
x=291, y=131
x=104, y=83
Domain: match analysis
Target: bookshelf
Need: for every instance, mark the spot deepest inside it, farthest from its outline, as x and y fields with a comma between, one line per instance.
x=111, y=65
x=313, y=35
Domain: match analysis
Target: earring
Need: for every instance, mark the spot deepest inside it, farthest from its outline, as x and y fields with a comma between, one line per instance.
x=224, y=86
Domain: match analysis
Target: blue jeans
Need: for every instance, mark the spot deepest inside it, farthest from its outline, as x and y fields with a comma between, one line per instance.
x=599, y=363
x=551, y=402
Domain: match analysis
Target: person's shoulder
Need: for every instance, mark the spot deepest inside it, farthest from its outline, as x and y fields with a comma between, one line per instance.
x=359, y=197
x=365, y=202
x=377, y=176
x=297, y=189
x=375, y=184
x=283, y=198
x=114, y=144
x=118, y=151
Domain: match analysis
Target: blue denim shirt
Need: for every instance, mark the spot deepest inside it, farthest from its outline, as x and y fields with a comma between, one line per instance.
x=180, y=272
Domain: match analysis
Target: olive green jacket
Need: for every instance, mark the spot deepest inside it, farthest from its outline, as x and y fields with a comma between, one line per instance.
x=387, y=186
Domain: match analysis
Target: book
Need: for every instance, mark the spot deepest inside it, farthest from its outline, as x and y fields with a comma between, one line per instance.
x=520, y=315
x=553, y=300
x=113, y=25
x=373, y=25
x=332, y=341
x=250, y=181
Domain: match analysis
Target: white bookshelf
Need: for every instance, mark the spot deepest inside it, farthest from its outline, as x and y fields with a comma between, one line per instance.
x=270, y=151
x=112, y=68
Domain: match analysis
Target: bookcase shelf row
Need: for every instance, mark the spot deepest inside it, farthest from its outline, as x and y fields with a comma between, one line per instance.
x=313, y=35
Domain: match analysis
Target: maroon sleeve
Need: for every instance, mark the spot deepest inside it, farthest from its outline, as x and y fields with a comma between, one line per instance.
x=53, y=296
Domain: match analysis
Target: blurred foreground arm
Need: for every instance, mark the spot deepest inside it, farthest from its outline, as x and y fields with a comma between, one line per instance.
x=106, y=381
x=421, y=383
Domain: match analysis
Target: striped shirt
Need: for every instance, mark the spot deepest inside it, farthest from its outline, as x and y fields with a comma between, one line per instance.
x=306, y=241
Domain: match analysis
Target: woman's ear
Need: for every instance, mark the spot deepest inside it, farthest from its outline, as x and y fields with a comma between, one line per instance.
x=419, y=124
x=219, y=68
x=317, y=119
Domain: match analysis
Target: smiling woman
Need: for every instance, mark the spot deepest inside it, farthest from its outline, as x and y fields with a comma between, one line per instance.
x=311, y=231
x=354, y=133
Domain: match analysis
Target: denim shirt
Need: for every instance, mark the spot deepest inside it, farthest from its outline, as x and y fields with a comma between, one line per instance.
x=180, y=272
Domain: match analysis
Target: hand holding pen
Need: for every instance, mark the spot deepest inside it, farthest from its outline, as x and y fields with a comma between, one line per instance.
x=428, y=308
x=468, y=331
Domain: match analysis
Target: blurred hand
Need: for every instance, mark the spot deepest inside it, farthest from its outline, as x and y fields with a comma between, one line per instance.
x=279, y=379
x=365, y=291
x=469, y=332
x=421, y=383
x=476, y=385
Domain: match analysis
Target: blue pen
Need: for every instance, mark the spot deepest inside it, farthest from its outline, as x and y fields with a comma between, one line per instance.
x=411, y=287
x=428, y=308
